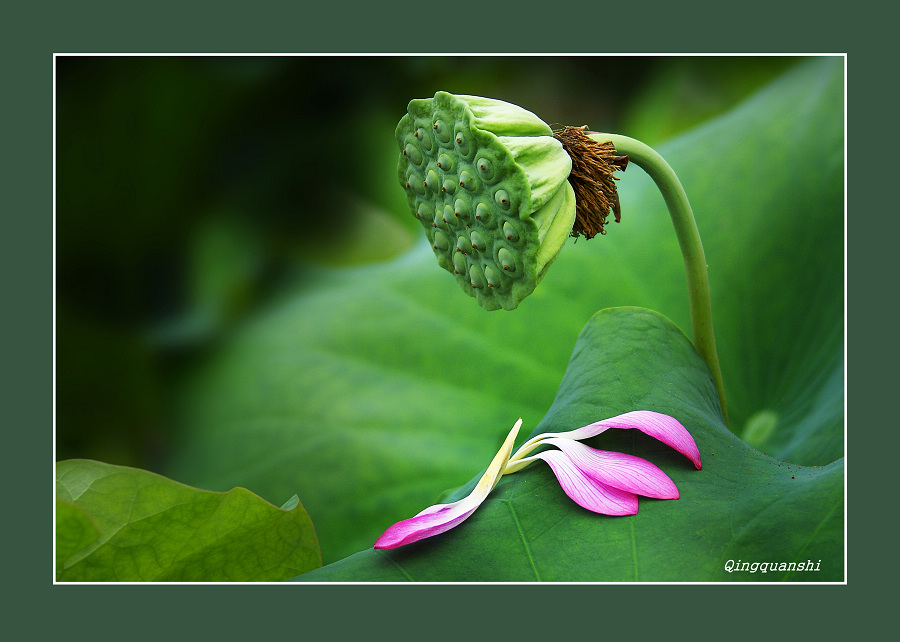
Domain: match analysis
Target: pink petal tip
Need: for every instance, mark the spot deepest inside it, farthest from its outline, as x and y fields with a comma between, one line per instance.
x=659, y=426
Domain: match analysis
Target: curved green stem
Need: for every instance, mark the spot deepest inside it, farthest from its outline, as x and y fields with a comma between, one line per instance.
x=689, y=241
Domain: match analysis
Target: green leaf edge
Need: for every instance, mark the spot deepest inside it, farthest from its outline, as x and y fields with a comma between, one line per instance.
x=306, y=547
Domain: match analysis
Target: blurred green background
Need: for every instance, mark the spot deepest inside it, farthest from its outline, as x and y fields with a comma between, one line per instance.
x=190, y=190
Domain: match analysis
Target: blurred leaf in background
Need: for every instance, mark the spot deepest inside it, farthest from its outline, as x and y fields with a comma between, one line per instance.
x=682, y=92
x=191, y=189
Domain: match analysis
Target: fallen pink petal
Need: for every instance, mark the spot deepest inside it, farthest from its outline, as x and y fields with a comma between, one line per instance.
x=659, y=426
x=586, y=491
x=601, y=481
x=440, y=518
x=625, y=472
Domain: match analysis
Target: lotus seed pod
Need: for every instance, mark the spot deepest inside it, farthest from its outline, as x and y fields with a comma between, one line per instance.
x=505, y=175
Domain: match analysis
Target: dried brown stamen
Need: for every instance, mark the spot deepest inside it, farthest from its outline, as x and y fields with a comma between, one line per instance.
x=593, y=164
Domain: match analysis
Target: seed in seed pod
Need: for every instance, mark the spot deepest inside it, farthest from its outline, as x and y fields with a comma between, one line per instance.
x=412, y=152
x=482, y=213
x=448, y=216
x=469, y=181
x=510, y=232
x=478, y=242
x=462, y=143
x=414, y=182
x=494, y=278
x=440, y=242
x=431, y=181
x=477, y=277
x=485, y=168
x=506, y=259
x=424, y=138
x=460, y=265
x=461, y=209
x=424, y=212
x=442, y=131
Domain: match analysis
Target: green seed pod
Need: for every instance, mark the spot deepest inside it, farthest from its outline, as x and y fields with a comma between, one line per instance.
x=509, y=188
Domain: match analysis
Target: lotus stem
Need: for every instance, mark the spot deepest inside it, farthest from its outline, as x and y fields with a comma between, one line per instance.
x=691, y=248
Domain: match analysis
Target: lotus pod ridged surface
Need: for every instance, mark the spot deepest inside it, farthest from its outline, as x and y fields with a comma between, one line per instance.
x=487, y=181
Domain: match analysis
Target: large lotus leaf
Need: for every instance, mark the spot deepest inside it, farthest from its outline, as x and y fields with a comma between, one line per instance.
x=120, y=524
x=369, y=391
x=742, y=506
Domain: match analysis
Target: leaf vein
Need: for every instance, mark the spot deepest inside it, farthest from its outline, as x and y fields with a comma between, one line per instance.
x=395, y=563
x=515, y=517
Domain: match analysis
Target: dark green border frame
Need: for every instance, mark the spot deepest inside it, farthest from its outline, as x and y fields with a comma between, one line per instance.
x=37, y=30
